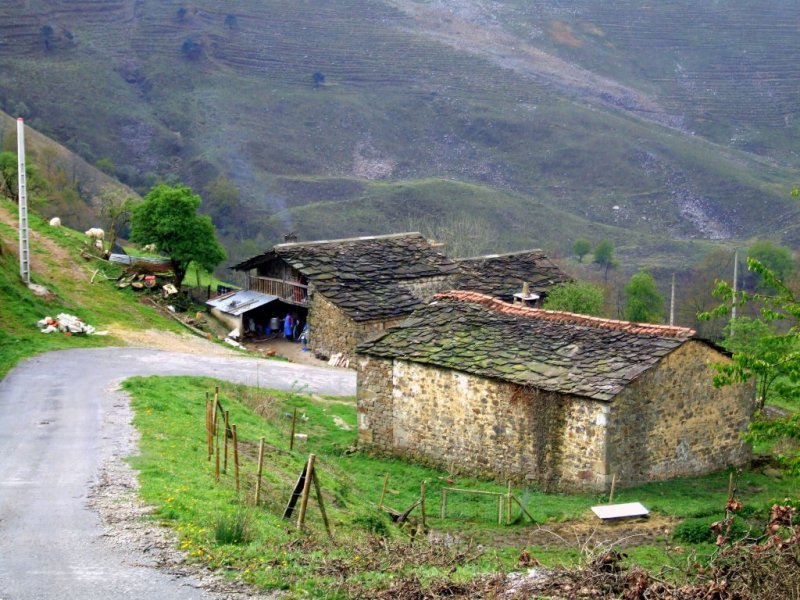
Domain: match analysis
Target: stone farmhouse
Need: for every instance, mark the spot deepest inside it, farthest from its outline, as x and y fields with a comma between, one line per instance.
x=502, y=276
x=347, y=290
x=559, y=399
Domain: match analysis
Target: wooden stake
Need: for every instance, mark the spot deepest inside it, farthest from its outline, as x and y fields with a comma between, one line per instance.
x=301, y=517
x=730, y=485
x=236, y=457
x=613, y=487
x=216, y=461
x=508, y=505
x=422, y=503
x=443, y=510
x=514, y=498
x=321, y=503
x=260, y=469
x=225, y=435
x=383, y=491
x=291, y=435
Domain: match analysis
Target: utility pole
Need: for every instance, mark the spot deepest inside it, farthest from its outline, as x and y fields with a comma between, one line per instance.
x=672, y=303
x=24, y=254
x=735, y=286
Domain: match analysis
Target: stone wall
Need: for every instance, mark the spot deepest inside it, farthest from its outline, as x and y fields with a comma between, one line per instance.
x=333, y=332
x=672, y=422
x=487, y=427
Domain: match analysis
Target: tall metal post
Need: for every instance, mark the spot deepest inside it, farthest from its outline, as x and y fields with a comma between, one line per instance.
x=24, y=254
x=672, y=303
x=735, y=286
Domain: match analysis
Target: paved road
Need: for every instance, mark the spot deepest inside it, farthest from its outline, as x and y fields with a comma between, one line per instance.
x=52, y=442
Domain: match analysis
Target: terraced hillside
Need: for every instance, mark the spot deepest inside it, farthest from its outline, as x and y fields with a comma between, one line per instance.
x=348, y=116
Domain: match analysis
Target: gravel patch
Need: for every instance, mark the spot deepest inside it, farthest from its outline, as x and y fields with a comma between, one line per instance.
x=126, y=528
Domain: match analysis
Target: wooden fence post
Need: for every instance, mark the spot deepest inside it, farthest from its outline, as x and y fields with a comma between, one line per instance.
x=236, y=457
x=422, y=503
x=291, y=435
x=209, y=442
x=613, y=487
x=508, y=504
x=225, y=434
x=301, y=517
x=216, y=460
x=443, y=508
x=383, y=491
x=260, y=468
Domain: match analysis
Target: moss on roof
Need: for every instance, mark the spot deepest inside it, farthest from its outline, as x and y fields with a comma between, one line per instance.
x=550, y=350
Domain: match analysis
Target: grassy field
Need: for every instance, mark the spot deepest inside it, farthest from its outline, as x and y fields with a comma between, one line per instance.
x=536, y=161
x=368, y=551
x=58, y=266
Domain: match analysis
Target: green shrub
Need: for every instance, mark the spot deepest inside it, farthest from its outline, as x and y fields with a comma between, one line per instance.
x=233, y=528
x=698, y=531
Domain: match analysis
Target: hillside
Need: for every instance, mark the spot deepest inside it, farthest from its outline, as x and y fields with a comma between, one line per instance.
x=664, y=123
x=64, y=185
x=75, y=286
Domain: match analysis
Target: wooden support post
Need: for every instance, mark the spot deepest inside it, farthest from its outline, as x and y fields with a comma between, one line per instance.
x=383, y=491
x=613, y=487
x=730, y=486
x=301, y=517
x=260, y=469
x=291, y=435
x=508, y=504
x=318, y=490
x=443, y=506
x=225, y=435
x=236, y=457
x=523, y=508
x=422, y=503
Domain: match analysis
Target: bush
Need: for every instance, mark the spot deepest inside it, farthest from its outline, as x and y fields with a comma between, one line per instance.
x=698, y=531
x=233, y=528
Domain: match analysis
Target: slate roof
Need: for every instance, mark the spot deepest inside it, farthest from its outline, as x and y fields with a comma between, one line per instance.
x=502, y=275
x=365, y=276
x=550, y=350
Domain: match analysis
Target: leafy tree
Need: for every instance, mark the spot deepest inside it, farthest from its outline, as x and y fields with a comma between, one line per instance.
x=576, y=297
x=765, y=353
x=117, y=210
x=168, y=218
x=761, y=350
x=604, y=256
x=192, y=49
x=778, y=259
x=106, y=165
x=643, y=302
x=581, y=248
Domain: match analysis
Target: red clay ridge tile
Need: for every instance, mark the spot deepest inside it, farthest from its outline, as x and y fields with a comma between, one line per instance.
x=565, y=317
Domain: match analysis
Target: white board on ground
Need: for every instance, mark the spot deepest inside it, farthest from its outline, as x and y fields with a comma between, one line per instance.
x=620, y=511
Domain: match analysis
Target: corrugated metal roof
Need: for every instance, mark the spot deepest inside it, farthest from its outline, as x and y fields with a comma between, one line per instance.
x=126, y=259
x=241, y=301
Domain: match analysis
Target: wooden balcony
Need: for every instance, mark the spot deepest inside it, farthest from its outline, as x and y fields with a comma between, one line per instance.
x=287, y=291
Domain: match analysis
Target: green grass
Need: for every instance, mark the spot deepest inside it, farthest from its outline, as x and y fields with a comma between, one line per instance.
x=177, y=479
x=67, y=277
